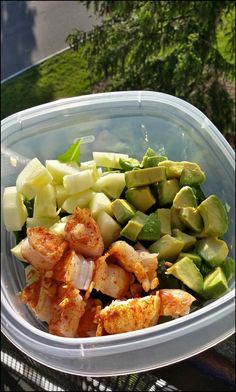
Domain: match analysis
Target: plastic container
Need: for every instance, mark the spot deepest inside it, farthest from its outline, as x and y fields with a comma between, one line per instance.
x=127, y=122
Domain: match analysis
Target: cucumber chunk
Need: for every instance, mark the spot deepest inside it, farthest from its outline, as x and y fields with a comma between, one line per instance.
x=111, y=184
x=14, y=210
x=32, y=178
x=108, y=159
x=109, y=228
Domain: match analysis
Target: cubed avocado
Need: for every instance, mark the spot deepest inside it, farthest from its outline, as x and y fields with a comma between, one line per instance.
x=214, y=216
x=176, y=222
x=189, y=240
x=185, y=198
x=127, y=164
x=141, y=198
x=215, y=284
x=175, y=169
x=134, y=226
x=167, y=190
x=228, y=267
x=192, y=176
x=193, y=256
x=213, y=250
x=153, y=161
x=151, y=229
x=191, y=218
x=146, y=176
x=186, y=271
x=167, y=247
x=164, y=215
x=122, y=210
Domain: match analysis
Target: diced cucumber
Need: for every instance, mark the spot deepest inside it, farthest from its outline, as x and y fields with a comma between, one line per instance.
x=16, y=251
x=100, y=202
x=109, y=159
x=79, y=181
x=58, y=170
x=32, y=178
x=58, y=228
x=14, y=210
x=109, y=228
x=97, y=172
x=81, y=199
x=111, y=184
x=45, y=202
x=61, y=195
x=44, y=222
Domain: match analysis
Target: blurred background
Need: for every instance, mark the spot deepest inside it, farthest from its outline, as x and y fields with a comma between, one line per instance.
x=58, y=49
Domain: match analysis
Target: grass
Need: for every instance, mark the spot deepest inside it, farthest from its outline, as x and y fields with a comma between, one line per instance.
x=62, y=76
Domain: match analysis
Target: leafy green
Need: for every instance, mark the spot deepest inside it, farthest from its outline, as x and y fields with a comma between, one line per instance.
x=72, y=154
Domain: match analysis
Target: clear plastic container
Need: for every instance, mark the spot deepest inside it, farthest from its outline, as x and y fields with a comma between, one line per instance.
x=126, y=122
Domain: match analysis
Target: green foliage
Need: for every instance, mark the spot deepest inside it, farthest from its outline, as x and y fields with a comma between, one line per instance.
x=72, y=154
x=184, y=48
x=62, y=76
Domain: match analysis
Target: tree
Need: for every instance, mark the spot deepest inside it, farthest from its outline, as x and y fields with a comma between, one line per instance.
x=167, y=46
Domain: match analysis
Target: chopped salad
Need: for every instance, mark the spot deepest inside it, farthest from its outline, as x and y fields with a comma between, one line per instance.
x=116, y=244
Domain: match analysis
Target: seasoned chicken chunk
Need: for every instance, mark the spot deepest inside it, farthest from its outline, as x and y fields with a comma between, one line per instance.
x=130, y=259
x=74, y=269
x=110, y=278
x=83, y=234
x=39, y=296
x=128, y=315
x=42, y=248
x=175, y=302
x=67, y=309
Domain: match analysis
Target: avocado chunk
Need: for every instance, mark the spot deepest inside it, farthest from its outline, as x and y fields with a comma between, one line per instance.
x=167, y=247
x=185, y=198
x=228, y=267
x=134, y=226
x=175, y=169
x=151, y=158
x=215, y=284
x=141, y=198
x=153, y=161
x=192, y=176
x=194, y=257
x=188, y=240
x=191, y=218
x=164, y=216
x=151, y=229
x=176, y=222
x=122, y=210
x=129, y=164
x=213, y=250
x=146, y=176
x=186, y=271
x=214, y=216
x=167, y=191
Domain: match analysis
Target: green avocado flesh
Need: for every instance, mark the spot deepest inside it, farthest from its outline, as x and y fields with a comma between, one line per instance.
x=122, y=210
x=214, y=216
x=146, y=176
x=141, y=198
x=187, y=271
x=213, y=250
x=215, y=284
